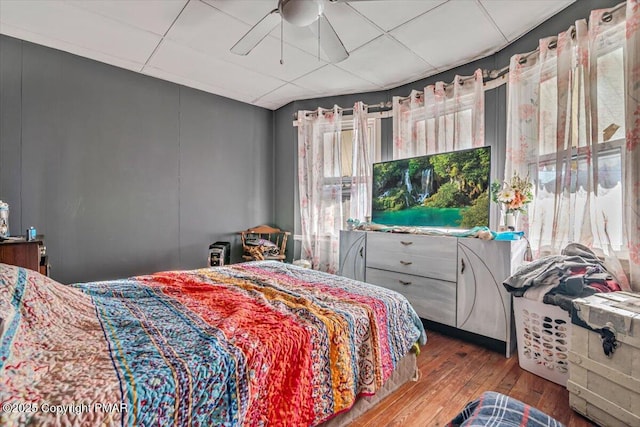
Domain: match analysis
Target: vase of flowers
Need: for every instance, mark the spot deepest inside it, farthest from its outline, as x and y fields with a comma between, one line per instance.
x=513, y=196
x=4, y=219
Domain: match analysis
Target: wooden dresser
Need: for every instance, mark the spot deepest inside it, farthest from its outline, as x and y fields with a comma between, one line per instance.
x=27, y=254
x=452, y=281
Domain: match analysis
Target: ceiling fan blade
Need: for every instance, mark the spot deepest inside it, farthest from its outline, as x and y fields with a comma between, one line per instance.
x=329, y=41
x=257, y=33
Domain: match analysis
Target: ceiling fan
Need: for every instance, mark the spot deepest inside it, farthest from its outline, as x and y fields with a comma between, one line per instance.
x=301, y=13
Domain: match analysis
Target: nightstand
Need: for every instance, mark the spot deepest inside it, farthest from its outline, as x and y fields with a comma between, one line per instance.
x=28, y=254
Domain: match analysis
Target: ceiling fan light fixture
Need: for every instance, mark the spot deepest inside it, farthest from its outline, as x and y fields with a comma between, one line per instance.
x=301, y=12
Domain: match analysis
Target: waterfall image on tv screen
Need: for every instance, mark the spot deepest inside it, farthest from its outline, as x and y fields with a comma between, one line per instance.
x=439, y=190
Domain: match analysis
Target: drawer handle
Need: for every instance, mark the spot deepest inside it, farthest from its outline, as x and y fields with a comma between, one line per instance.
x=406, y=243
x=406, y=262
x=404, y=282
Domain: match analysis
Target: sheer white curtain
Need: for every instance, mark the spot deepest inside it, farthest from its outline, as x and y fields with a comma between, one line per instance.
x=363, y=154
x=320, y=186
x=454, y=114
x=566, y=130
x=408, y=126
x=631, y=201
x=444, y=117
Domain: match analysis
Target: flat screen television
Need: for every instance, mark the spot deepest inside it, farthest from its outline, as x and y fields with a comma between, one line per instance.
x=448, y=190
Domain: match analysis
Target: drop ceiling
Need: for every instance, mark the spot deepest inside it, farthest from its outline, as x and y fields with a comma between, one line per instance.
x=187, y=41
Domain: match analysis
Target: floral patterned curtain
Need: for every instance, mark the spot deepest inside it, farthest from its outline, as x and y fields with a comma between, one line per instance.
x=320, y=186
x=631, y=210
x=455, y=114
x=566, y=125
x=361, y=180
x=408, y=126
x=445, y=117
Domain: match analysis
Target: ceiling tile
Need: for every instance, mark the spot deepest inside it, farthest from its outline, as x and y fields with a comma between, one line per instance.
x=300, y=38
x=285, y=94
x=389, y=14
x=207, y=30
x=150, y=15
x=193, y=65
x=62, y=22
x=331, y=80
x=385, y=62
x=353, y=29
x=517, y=18
x=185, y=81
x=247, y=11
x=445, y=42
x=266, y=58
x=268, y=105
x=21, y=34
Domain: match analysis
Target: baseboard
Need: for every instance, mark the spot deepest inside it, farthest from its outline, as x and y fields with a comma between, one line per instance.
x=486, y=342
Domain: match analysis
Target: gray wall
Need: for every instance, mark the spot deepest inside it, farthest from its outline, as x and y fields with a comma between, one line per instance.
x=126, y=174
x=495, y=110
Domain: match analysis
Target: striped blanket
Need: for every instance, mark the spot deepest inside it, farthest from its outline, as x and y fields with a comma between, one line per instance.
x=494, y=409
x=255, y=344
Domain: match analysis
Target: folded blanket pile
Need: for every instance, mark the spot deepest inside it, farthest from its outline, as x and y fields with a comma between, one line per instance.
x=558, y=279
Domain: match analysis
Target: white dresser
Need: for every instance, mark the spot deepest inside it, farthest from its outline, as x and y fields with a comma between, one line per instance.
x=452, y=281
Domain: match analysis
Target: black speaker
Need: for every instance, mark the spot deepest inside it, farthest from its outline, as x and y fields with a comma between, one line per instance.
x=219, y=254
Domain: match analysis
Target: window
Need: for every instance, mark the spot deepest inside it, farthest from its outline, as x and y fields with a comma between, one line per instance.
x=344, y=175
x=605, y=210
x=445, y=130
x=608, y=203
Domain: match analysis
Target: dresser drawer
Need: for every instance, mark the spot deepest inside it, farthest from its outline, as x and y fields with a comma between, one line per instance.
x=431, y=299
x=429, y=256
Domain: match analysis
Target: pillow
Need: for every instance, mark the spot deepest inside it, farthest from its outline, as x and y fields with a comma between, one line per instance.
x=496, y=409
x=260, y=242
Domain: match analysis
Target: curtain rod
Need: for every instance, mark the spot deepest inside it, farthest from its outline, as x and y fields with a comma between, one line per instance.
x=380, y=106
x=606, y=17
x=490, y=78
x=446, y=85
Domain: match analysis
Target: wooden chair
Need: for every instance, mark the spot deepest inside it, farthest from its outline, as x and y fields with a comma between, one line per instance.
x=264, y=242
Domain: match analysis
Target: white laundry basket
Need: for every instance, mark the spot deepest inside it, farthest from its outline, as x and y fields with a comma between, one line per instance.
x=544, y=339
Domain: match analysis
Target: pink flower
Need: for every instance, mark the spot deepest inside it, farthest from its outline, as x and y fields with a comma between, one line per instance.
x=633, y=134
x=526, y=111
x=633, y=24
x=634, y=252
x=635, y=74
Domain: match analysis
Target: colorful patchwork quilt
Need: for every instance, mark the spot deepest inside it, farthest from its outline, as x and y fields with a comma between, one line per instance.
x=253, y=344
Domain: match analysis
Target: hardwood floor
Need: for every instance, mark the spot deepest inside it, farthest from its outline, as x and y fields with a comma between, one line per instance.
x=454, y=372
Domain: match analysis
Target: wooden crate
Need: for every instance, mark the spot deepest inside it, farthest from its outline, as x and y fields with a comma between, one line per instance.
x=606, y=389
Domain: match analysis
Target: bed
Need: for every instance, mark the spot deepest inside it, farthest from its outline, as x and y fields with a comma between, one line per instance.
x=259, y=343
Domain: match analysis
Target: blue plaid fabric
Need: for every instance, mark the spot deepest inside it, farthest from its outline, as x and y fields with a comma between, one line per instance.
x=493, y=409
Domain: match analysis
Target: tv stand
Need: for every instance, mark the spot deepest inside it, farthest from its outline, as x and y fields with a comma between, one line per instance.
x=454, y=281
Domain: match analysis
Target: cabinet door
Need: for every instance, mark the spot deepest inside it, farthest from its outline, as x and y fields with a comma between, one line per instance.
x=22, y=254
x=484, y=305
x=431, y=299
x=352, y=254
